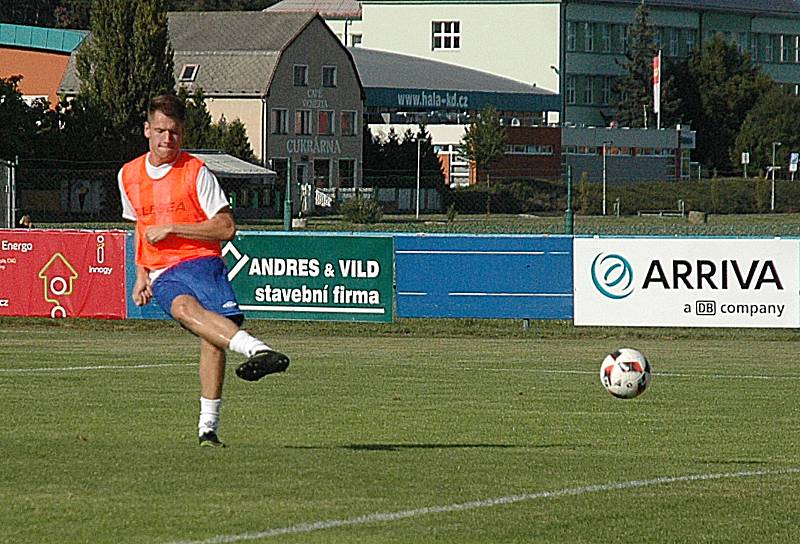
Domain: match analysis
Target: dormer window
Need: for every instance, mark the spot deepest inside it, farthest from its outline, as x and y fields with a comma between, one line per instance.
x=189, y=72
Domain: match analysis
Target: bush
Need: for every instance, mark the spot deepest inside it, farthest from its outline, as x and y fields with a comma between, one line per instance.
x=361, y=210
x=510, y=197
x=716, y=196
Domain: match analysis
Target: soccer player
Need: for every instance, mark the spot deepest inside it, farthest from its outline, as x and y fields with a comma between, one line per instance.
x=181, y=216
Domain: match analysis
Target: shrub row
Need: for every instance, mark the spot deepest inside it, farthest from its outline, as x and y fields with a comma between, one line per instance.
x=717, y=196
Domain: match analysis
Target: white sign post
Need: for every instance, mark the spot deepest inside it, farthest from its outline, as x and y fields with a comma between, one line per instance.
x=793, y=159
x=745, y=162
x=697, y=282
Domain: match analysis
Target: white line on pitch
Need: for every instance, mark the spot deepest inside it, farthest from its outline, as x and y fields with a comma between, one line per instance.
x=667, y=374
x=95, y=367
x=383, y=517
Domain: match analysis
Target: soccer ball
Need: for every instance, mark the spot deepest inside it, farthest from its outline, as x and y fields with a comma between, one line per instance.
x=625, y=373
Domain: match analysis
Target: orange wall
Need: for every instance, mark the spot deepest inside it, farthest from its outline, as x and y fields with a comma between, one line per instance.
x=41, y=70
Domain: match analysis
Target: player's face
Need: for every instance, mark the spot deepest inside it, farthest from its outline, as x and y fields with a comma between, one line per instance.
x=164, y=135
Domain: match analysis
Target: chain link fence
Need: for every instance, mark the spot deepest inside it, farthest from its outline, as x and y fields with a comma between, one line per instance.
x=67, y=192
x=85, y=194
x=7, y=195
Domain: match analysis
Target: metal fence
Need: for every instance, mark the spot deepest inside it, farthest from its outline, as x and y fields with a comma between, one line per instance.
x=67, y=192
x=8, y=216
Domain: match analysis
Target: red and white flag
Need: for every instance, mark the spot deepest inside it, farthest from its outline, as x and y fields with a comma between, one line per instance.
x=657, y=83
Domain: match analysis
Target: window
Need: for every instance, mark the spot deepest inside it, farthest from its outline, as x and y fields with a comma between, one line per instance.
x=797, y=49
x=322, y=173
x=189, y=72
x=606, y=96
x=768, y=48
x=606, y=33
x=446, y=35
x=280, y=121
x=674, y=34
x=355, y=40
x=348, y=123
x=588, y=37
x=690, y=39
x=300, y=75
x=329, y=76
x=570, y=89
x=755, y=44
x=528, y=149
x=741, y=42
x=325, y=122
x=571, y=36
x=302, y=122
x=588, y=90
x=347, y=172
x=281, y=167
x=786, y=43
x=624, y=37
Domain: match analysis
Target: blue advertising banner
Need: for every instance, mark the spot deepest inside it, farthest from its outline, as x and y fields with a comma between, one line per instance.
x=484, y=276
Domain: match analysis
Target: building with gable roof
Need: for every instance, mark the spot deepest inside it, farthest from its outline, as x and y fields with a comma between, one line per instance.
x=285, y=76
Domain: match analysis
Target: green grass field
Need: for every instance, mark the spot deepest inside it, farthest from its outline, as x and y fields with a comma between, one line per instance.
x=414, y=432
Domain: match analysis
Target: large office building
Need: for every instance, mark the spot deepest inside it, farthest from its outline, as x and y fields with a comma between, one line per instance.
x=574, y=46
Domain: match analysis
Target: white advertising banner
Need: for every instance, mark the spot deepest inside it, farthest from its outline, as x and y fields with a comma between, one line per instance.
x=697, y=282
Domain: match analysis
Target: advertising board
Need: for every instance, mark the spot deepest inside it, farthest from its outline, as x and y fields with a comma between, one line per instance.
x=327, y=277
x=62, y=273
x=484, y=276
x=688, y=282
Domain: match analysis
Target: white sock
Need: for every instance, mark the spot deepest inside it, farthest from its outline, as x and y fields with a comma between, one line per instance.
x=209, y=415
x=246, y=344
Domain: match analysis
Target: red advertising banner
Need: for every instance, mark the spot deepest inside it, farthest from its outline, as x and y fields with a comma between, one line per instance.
x=62, y=273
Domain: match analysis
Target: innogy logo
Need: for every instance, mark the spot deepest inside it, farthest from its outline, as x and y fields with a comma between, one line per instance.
x=612, y=275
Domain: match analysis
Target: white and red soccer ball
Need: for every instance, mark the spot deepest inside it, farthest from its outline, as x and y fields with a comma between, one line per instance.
x=625, y=373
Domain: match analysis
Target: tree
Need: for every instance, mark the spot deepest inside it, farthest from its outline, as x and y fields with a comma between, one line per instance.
x=774, y=118
x=484, y=141
x=198, y=120
x=30, y=12
x=429, y=164
x=635, y=89
x=232, y=139
x=17, y=122
x=726, y=85
x=73, y=14
x=126, y=61
x=201, y=133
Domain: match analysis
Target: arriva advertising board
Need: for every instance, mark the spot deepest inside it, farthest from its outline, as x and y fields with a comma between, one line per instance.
x=319, y=277
x=697, y=282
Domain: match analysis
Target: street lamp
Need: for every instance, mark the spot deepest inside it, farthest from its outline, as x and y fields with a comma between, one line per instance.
x=605, y=151
x=775, y=145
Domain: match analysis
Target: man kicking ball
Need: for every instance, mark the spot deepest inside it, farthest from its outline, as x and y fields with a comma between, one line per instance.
x=181, y=216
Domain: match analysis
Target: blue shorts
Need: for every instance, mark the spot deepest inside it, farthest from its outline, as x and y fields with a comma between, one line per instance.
x=205, y=279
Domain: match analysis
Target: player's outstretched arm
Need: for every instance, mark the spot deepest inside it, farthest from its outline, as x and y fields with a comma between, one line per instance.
x=220, y=227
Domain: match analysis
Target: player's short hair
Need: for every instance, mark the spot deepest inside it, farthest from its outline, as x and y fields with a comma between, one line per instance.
x=168, y=104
